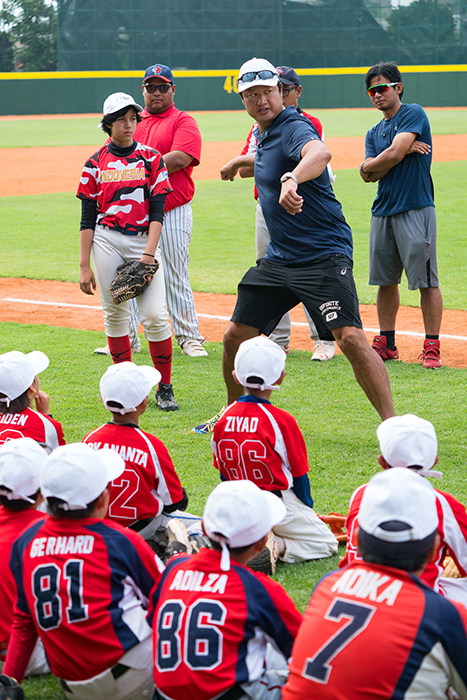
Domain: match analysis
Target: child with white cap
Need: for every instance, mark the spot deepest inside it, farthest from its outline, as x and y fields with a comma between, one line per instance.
x=255, y=440
x=19, y=392
x=148, y=494
x=213, y=617
x=409, y=442
x=20, y=464
x=374, y=629
x=84, y=584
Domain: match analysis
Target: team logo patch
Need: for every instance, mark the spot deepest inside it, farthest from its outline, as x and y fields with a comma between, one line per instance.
x=331, y=316
x=328, y=307
x=157, y=70
x=344, y=271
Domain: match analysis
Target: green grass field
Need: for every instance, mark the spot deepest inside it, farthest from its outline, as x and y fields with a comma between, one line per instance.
x=39, y=239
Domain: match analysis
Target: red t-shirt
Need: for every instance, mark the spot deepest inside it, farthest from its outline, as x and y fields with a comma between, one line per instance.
x=149, y=481
x=31, y=424
x=173, y=130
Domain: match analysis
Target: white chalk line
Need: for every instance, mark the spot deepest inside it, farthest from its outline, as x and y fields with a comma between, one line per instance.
x=298, y=324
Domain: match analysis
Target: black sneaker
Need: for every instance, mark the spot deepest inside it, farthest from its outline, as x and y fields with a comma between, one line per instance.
x=165, y=398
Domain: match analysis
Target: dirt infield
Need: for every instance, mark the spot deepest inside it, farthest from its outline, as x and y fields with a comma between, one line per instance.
x=62, y=304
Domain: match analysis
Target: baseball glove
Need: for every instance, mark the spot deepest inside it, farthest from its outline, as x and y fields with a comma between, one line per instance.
x=10, y=689
x=336, y=522
x=131, y=280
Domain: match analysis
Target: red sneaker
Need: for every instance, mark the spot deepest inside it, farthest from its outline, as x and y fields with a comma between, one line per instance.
x=431, y=354
x=380, y=346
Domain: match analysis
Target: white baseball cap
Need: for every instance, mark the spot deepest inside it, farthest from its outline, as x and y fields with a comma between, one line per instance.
x=409, y=441
x=398, y=516
x=17, y=372
x=259, y=359
x=21, y=461
x=127, y=385
x=251, y=74
x=238, y=514
x=77, y=474
x=119, y=100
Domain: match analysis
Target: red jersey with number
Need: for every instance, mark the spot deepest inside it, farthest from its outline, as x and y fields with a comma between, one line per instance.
x=149, y=481
x=377, y=632
x=173, y=130
x=122, y=186
x=12, y=524
x=83, y=587
x=211, y=627
x=31, y=424
x=452, y=530
x=257, y=441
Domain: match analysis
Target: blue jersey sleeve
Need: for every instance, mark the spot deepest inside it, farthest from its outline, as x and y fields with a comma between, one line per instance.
x=370, y=150
x=301, y=488
x=413, y=120
x=296, y=135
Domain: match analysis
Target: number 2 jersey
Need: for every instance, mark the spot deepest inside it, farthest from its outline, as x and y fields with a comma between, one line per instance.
x=376, y=632
x=257, y=441
x=149, y=482
x=211, y=627
x=83, y=587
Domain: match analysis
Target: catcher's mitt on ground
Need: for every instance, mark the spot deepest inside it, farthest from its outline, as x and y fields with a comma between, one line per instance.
x=10, y=689
x=336, y=522
x=132, y=280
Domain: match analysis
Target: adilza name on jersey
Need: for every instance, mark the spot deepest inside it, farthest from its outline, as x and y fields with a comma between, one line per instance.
x=123, y=175
x=198, y=581
x=43, y=546
x=129, y=454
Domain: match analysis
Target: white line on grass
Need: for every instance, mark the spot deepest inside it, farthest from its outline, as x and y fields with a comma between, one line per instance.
x=212, y=316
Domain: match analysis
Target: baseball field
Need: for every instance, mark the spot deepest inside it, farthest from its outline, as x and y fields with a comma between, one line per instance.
x=42, y=308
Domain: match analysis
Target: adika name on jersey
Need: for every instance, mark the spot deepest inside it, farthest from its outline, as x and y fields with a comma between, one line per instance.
x=240, y=424
x=198, y=581
x=367, y=584
x=13, y=418
x=81, y=544
x=124, y=175
x=129, y=454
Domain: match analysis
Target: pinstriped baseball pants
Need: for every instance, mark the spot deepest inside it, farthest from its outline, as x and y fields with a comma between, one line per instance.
x=174, y=246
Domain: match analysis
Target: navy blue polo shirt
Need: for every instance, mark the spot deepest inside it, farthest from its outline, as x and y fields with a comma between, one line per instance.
x=320, y=228
x=408, y=185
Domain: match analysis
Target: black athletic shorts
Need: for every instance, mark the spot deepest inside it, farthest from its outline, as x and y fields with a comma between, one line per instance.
x=325, y=286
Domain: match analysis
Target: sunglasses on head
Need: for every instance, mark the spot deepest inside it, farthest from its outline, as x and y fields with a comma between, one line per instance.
x=161, y=88
x=261, y=74
x=380, y=88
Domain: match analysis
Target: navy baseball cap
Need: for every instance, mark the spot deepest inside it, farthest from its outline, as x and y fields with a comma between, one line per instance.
x=158, y=70
x=287, y=75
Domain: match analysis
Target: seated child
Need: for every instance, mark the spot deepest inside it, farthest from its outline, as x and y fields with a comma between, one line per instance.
x=19, y=391
x=148, y=495
x=221, y=630
x=20, y=464
x=256, y=441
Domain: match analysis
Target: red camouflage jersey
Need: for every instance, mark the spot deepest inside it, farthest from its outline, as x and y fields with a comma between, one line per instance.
x=452, y=530
x=12, y=524
x=173, y=130
x=149, y=481
x=31, y=424
x=83, y=587
x=211, y=627
x=376, y=632
x=122, y=186
x=257, y=441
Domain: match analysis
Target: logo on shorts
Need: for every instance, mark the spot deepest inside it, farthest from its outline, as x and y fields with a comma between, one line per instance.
x=331, y=316
x=344, y=271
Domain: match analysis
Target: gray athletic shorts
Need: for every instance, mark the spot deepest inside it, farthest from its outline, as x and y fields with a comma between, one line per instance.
x=405, y=241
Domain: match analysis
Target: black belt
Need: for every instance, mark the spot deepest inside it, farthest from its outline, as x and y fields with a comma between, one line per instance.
x=124, y=232
x=140, y=524
x=116, y=671
x=234, y=693
x=277, y=493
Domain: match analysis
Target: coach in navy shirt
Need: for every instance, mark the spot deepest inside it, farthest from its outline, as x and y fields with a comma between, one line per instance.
x=309, y=258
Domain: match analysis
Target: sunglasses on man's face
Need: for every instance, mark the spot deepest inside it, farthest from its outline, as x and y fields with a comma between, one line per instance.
x=262, y=75
x=380, y=88
x=163, y=89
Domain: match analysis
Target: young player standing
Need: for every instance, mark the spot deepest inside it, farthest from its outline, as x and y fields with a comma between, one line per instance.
x=254, y=440
x=122, y=191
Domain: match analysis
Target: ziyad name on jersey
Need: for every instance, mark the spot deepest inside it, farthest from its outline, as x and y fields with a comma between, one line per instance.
x=122, y=175
x=367, y=584
x=13, y=418
x=198, y=581
x=43, y=546
x=129, y=454
x=240, y=424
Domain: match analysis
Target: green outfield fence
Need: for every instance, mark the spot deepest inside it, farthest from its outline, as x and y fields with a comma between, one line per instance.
x=81, y=92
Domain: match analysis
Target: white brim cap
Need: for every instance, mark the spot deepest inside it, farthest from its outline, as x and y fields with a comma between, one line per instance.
x=408, y=441
x=254, y=65
x=127, y=385
x=259, y=358
x=17, y=372
x=77, y=474
x=119, y=100
x=21, y=462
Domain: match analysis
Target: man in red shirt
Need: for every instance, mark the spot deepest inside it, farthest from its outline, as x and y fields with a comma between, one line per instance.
x=175, y=134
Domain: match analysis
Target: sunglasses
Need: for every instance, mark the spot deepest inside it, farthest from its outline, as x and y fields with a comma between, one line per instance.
x=163, y=89
x=382, y=87
x=261, y=74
